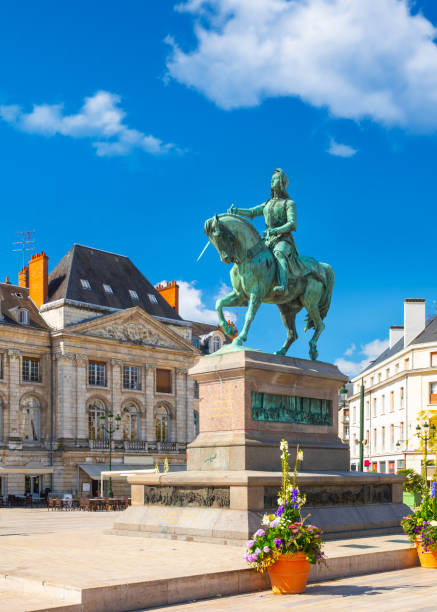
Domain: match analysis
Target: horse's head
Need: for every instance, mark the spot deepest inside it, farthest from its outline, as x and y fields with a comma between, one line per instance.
x=222, y=238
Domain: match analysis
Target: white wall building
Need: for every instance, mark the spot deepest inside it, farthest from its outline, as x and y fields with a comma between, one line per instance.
x=400, y=393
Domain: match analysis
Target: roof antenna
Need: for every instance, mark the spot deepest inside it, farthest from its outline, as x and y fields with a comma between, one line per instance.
x=25, y=242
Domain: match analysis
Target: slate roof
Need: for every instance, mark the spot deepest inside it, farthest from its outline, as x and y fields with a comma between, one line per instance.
x=12, y=299
x=99, y=268
x=428, y=334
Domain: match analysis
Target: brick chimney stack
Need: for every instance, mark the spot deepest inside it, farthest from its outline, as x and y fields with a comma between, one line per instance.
x=23, y=277
x=170, y=293
x=39, y=278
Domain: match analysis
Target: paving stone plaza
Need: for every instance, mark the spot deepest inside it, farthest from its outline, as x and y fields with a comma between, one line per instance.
x=68, y=561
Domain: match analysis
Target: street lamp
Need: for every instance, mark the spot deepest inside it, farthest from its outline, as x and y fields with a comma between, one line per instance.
x=112, y=426
x=427, y=436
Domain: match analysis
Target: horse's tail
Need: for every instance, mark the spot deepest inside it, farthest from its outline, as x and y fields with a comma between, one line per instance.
x=325, y=300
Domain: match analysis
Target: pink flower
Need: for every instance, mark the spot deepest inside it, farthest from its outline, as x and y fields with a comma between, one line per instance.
x=250, y=543
x=260, y=533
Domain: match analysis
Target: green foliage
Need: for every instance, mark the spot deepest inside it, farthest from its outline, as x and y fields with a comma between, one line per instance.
x=422, y=524
x=284, y=532
x=414, y=482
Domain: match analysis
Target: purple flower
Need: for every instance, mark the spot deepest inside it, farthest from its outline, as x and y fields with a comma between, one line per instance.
x=253, y=558
x=260, y=533
x=278, y=542
x=433, y=489
x=280, y=511
x=247, y=556
x=266, y=549
x=257, y=551
x=250, y=543
x=294, y=494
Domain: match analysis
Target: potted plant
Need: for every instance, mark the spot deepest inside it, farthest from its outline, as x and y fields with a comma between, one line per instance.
x=285, y=545
x=421, y=527
x=414, y=487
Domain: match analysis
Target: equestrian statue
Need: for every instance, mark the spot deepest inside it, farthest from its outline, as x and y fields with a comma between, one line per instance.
x=270, y=269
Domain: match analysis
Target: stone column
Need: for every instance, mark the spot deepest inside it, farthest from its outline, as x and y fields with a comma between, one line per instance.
x=149, y=402
x=181, y=406
x=13, y=424
x=190, y=432
x=81, y=407
x=116, y=379
x=65, y=405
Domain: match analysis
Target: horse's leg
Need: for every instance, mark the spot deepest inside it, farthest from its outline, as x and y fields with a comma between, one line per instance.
x=288, y=316
x=232, y=299
x=311, y=300
x=254, y=304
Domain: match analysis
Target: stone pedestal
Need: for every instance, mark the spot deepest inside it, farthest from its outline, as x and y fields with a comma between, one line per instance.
x=249, y=401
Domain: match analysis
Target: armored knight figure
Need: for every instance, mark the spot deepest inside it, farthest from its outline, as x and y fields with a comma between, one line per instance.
x=280, y=217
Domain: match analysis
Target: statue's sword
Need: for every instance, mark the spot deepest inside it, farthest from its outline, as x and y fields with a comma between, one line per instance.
x=206, y=246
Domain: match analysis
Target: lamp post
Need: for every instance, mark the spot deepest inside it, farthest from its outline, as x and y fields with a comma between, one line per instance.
x=112, y=426
x=427, y=436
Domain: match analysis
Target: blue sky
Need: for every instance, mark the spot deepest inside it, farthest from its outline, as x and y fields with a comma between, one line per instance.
x=125, y=125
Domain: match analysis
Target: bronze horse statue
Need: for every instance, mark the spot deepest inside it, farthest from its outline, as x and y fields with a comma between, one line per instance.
x=254, y=275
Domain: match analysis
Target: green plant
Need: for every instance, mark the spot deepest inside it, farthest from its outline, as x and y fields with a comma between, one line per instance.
x=414, y=482
x=284, y=532
x=423, y=522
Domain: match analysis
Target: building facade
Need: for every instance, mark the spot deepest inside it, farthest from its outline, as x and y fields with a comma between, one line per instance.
x=400, y=393
x=92, y=339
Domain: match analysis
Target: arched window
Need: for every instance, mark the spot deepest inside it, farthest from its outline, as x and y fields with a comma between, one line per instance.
x=130, y=422
x=30, y=419
x=96, y=409
x=161, y=423
x=216, y=344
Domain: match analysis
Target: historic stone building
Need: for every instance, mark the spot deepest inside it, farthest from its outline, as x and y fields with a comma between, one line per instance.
x=400, y=393
x=92, y=339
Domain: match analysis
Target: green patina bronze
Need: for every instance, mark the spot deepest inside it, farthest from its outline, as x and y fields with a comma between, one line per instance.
x=291, y=409
x=270, y=269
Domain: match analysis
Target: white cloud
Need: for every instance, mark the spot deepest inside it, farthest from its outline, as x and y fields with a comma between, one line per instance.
x=192, y=306
x=371, y=351
x=371, y=59
x=340, y=150
x=100, y=119
x=351, y=350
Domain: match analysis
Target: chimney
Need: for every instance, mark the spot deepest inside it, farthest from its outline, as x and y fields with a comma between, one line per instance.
x=23, y=277
x=170, y=293
x=39, y=278
x=414, y=318
x=396, y=333
x=7, y=281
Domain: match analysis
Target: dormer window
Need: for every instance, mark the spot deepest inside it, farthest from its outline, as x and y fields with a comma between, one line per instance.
x=133, y=294
x=24, y=317
x=108, y=289
x=152, y=298
x=85, y=284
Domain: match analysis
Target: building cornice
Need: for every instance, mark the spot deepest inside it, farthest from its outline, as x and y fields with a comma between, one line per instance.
x=395, y=378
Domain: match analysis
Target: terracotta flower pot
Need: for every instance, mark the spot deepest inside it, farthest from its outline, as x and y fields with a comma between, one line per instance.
x=290, y=573
x=427, y=559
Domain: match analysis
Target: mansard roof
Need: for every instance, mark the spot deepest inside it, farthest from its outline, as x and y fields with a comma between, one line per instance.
x=428, y=334
x=101, y=268
x=12, y=300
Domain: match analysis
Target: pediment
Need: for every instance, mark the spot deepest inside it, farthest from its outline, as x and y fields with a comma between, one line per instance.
x=136, y=328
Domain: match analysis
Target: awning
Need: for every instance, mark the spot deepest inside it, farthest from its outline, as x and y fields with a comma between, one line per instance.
x=94, y=470
x=26, y=469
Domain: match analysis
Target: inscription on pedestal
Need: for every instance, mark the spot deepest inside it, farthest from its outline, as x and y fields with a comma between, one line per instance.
x=291, y=409
x=356, y=495
x=201, y=497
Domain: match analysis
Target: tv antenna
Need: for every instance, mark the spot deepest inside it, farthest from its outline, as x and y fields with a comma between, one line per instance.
x=26, y=244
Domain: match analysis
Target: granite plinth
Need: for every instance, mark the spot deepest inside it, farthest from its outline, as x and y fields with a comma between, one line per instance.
x=228, y=506
x=249, y=401
x=235, y=435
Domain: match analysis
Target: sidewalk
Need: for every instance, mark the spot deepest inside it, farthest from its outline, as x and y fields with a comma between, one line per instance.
x=402, y=591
